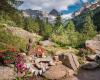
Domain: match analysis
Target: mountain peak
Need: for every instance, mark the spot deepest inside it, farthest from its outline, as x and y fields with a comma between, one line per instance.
x=54, y=12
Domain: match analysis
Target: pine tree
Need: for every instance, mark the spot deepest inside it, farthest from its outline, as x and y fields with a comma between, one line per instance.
x=88, y=27
x=60, y=30
x=40, y=24
x=70, y=27
x=47, y=30
x=71, y=33
x=57, y=23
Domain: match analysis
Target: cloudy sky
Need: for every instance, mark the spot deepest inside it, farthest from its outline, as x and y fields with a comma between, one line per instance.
x=67, y=6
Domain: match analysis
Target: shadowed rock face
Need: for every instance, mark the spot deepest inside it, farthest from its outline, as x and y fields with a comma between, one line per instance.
x=94, y=44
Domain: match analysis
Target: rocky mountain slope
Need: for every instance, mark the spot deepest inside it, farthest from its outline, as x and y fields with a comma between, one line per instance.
x=9, y=36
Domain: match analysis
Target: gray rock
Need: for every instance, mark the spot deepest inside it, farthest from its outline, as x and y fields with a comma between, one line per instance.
x=47, y=43
x=90, y=65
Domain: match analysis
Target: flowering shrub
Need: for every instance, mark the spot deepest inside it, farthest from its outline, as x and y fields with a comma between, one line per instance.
x=8, y=55
x=39, y=50
x=20, y=64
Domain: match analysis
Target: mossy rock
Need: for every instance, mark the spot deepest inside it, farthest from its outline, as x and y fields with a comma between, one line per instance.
x=7, y=40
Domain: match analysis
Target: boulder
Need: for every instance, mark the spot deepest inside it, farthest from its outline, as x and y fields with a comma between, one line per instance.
x=57, y=72
x=70, y=60
x=94, y=44
x=95, y=57
x=90, y=65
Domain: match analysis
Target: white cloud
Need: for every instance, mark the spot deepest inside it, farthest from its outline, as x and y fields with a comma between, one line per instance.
x=47, y=4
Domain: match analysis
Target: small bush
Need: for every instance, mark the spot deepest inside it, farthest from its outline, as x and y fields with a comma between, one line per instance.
x=83, y=52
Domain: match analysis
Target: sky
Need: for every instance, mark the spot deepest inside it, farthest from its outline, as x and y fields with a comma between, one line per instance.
x=65, y=6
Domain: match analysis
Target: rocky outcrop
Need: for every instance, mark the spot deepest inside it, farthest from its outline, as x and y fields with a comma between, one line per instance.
x=94, y=44
x=19, y=32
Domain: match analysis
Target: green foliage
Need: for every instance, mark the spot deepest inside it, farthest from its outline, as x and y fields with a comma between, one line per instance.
x=18, y=19
x=66, y=36
x=73, y=39
x=33, y=25
x=9, y=14
x=87, y=32
x=6, y=19
x=38, y=26
x=60, y=30
x=72, y=34
x=29, y=25
x=84, y=52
